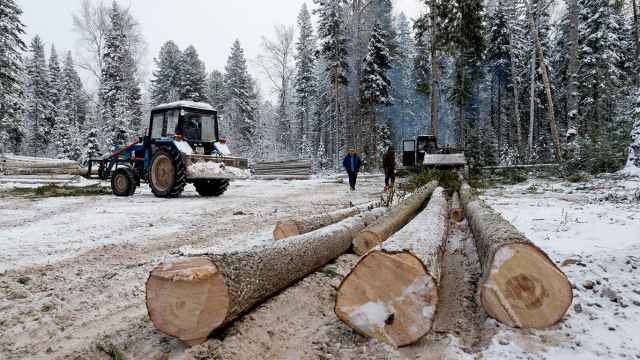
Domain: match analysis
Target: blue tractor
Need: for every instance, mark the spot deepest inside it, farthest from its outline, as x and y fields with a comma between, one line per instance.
x=182, y=145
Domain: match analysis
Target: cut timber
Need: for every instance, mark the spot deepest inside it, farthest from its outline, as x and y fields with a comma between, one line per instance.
x=393, y=221
x=189, y=297
x=392, y=293
x=297, y=226
x=457, y=213
x=521, y=286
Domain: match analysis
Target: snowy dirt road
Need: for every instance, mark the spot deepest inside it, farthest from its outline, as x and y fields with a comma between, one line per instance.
x=72, y=284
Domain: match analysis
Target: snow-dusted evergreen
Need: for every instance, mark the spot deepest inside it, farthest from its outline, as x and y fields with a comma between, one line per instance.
x=240, y=104
x=215, y=90
x=305, y=82
x=12, y=130
x=120, y=96
x=193, y=76
x=69, y=131
x=38, y=106
x=166, y=82
x=633, y=160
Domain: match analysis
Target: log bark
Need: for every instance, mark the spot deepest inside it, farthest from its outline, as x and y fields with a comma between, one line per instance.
x=396, y=218
x=189, y=297
x=521, y=286
x=392, y=293
x=457, y=213
x=303, y=225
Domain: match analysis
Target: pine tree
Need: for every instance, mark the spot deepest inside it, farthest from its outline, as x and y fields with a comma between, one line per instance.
x=305, y=78
x=68, y=134
x=165, y=86
x=403, y=111
x=38, y=107
x=120, y=97
x=12, y=129
x=193, y=76
x=376, y=90
x=215, y=90
x=334, y=49
x=633, y=160
x=240, y=107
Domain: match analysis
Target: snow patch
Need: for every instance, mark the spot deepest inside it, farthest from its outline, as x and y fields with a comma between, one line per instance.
x=184, y=147
x=211, y=169
x=631, y=170
x=503, y=255
x=371, y=316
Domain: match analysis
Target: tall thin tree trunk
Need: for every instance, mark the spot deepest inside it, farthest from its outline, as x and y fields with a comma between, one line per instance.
x=516, y=94
x=547, y=85
x=532, y=105
x=636, y=37
x=572, y=100
x=461, y=120
x=434, y=72
x=499, y=117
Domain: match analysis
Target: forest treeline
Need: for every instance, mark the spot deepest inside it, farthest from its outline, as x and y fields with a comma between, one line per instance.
x=508, y=81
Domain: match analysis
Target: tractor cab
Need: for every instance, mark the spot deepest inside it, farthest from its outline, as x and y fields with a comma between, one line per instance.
x=197, y=122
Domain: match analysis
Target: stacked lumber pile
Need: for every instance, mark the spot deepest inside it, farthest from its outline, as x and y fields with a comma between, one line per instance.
x=24, y=165
x=293, y=169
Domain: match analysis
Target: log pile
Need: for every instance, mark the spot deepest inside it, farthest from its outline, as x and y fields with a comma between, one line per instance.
x=396, y=218
x=189, y=297
x=392, y=293
x=24, y=165
x=283, y=168
x=302, y=225
x=521, y=286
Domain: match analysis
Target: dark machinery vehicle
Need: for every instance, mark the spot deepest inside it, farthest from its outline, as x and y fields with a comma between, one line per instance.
x=424, y=152
x=182, y=146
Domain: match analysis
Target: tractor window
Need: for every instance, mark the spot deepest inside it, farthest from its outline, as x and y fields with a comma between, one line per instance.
x=157, y=125
x=198, y=126
x=172, y=122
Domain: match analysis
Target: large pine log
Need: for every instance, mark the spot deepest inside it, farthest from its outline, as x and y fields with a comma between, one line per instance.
x=189, y=297
x=521, y=286
x=393, y=221
x=303, y=225
x=392, y=293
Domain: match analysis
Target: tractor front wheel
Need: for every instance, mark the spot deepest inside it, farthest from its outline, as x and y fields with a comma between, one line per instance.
x=208, y=188
x=168, y=175
x=123, y=182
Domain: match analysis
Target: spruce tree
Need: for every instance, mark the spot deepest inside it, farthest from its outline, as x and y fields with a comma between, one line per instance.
x=165, y=86
x=120, y=97
x=12, y=129
x=305, y=75
x=633, y=160
x=193, y=76
x=240, y=107
x=38, y=107
x=215, y=90
x=376, y=90
x=73, y=112
x=403, y=111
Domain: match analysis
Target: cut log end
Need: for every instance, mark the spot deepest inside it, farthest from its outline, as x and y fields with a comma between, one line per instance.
x=285, y=229
x=365, y=241
x=457, y=214
x=187, y=299
x=388, y=296
x=524, y=289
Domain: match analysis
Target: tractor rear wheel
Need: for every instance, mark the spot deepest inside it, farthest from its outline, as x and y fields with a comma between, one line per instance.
x=123, y=182
x=208, y=188
x=168, y=174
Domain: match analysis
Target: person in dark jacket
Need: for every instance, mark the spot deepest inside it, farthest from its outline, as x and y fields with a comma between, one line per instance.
x=352, y=164
x=389, y=165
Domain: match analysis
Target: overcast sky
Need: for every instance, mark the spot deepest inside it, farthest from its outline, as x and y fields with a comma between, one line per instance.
x=210, y=25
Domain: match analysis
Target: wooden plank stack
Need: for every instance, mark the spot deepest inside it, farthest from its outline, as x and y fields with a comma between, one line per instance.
x=283, y=168
x=24, y=165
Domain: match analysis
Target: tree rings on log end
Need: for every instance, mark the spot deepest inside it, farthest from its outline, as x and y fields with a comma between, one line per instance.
x=388, y=296
x=457, y=214
x=365, y=241
x=187, y=298
x=525, y=289
x=285, y=229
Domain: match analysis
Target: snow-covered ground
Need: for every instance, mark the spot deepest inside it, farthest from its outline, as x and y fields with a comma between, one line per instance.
x=592, y=230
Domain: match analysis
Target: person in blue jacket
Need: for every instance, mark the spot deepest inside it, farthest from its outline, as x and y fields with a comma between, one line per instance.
x=352, y=163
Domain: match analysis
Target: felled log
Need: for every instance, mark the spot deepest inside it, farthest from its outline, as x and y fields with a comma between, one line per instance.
x=521, y=286
x=302, y=225
x=280, y=177
x=392, y=293
x=457, y=213
x=189, y=297
x=393, y=221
